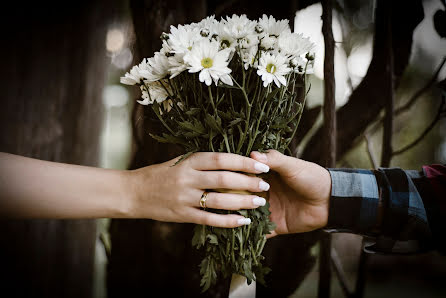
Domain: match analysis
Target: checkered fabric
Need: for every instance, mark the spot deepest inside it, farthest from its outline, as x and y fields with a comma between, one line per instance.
x=400, y=210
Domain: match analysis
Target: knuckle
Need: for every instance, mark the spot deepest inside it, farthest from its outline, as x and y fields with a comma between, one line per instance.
x=222, y=180
x=218, y=160
x=247, y=164
x=207, y=221
x=181, y=180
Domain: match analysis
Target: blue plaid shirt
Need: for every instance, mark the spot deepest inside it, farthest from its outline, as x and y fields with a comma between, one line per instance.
x=401, y=211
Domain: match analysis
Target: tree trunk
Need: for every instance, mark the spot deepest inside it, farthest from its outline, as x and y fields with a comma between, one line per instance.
x=54, y=62
x=329, y=137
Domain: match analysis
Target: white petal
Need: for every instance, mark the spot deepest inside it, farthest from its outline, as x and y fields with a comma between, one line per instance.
x=227, y=80
x=127, y=81
x=144, y=102
x=208, y=81
x=282, y=80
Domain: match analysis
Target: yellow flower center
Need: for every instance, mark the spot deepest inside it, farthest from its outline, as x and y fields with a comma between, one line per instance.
x=206, y=62
x=189, y=48
x=271, y=68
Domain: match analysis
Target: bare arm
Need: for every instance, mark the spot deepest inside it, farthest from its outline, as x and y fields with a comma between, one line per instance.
x=31, y=188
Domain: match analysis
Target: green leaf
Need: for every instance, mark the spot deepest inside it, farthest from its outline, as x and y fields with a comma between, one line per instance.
x=213, y=123
x=272, y=94
x=243, y=212
x=197, y=127
x=248, y=272
x=167, y=138
x=183, y=157
x=235, y=121
x=193, y=111
x=199, y=238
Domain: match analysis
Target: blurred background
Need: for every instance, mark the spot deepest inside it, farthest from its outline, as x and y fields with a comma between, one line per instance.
x=63, y=102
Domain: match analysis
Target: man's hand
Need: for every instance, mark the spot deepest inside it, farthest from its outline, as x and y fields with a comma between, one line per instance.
x=299, y=193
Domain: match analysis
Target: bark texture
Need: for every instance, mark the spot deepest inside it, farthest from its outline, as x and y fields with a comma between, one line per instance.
x=53, y=71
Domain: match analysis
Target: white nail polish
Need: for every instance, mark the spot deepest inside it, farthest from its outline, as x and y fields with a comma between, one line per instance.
x=244, y=221
x=259, y=201
x=263, y=186
x=261, y=167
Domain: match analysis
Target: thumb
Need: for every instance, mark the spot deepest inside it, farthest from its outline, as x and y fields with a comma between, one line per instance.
x=282, y=164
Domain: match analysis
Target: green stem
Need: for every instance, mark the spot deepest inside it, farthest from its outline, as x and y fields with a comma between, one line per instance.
x=232, y=244
x=248, y=114
x=228, y=148
x=211, y=99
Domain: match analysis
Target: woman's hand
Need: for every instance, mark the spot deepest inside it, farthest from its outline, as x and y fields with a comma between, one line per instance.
x=299, y=194
x=172, y=193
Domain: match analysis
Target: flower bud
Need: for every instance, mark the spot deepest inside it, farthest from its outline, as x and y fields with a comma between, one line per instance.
x=204, y=32
x=309, y=56
x=268, y=42
x=293, y=62
x=259, y=29
x=164, y=36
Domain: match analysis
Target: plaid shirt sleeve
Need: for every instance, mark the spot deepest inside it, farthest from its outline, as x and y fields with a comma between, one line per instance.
x=395, y=208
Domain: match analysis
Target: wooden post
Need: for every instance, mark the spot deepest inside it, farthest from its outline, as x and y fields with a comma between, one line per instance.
x=54, y=64
x=388, y=90
x=329, y=137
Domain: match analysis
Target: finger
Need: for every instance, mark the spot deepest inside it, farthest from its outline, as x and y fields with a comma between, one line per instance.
x=218, y=220
x=229, y=201
x=226, y=161
x=284, y=165
x=271, y=235
x=230, y=180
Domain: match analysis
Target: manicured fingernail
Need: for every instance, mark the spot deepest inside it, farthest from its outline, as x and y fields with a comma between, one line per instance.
x=259, y=201
x=244, y=221
x=263, y=185
x=261, y=167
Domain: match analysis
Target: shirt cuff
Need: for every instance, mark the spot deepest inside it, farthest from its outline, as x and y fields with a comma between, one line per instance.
x=354, y=201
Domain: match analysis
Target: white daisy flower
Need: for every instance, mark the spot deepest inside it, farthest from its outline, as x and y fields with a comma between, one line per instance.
x=294, y=44
x=239, y=26
x=268, y=42
x=156, y=92
x=227, y=41
x=182, y=39
x=207, y=23
x=212, y=64
x=176, y=65
x=273, y=68
x=136, y=74
x=302, y=65
x=248, y=41
x=166, y=49
x=131, y=78
x=249, y=57
x=271, y=27
x=157, y=68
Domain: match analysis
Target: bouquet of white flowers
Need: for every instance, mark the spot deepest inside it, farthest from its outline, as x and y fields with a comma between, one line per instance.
x=233, y=85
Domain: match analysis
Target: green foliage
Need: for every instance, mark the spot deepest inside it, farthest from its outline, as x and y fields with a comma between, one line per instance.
x=236, y=119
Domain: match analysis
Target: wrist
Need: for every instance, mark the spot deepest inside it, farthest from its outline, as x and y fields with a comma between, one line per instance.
x=126, y=195
x=325, y=197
